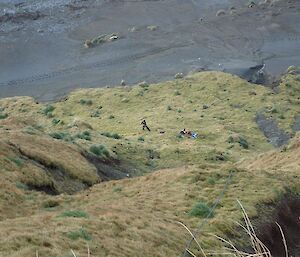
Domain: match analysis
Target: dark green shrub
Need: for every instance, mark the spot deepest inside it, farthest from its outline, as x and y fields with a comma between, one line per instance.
x=99, y=150
x=243, y=143
x=95, y=114
x=111, y=135
x=142, y=139
x=85, y=102
x=55, y=121
x=30, y=130
x=86, y=135
x=3, y=116
x=230, y=140
x=61, y=136
x=48, y=110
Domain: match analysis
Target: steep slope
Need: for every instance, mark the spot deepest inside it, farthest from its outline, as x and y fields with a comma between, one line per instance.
x=96, y=132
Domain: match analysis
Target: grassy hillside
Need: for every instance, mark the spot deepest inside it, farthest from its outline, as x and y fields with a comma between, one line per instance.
x=95, y=135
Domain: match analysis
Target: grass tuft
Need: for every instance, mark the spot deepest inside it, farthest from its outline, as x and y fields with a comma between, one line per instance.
x=99, y=150
x=48, y=110
x=86, y=135
x=77, y=234
x=201, y=210
x=3, y=116
x=111, y=135
x=74, y=214
x=85, y=102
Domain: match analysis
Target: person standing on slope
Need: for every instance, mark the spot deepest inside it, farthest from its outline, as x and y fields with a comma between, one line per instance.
x=145, y=126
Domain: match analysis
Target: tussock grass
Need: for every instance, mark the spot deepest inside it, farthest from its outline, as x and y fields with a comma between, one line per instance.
x=135, y=220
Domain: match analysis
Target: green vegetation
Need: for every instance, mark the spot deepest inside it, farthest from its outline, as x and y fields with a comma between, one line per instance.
x=22, y=186
x=3, y=116
x=202, y=210
x=48, y=110
x=61, y=136
x=142, y=139
x=99, y=150
x=86, y=102
x=117, y=189
x=111, y=135
x=86, y=135
x=16, y=160
x=51, y=203
x=95, y=114
x=55, y=121
x=243, y=143
x=75, y=214
x=77, y=234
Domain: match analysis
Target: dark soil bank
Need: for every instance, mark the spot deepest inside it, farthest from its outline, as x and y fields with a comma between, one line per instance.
x=273, y=133
x=286, y=215
x=42, y=49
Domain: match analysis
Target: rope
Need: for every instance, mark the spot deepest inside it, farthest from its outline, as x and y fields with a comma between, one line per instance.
x=197, y=231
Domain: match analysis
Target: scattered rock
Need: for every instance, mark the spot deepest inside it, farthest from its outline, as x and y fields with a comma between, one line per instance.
x=88, y=44
x=123, y=83
x=179, y=75
x=252, y=93
x=205, y=106
x=80, y=124
x=100, y=40
x=20, y=16
x=152, y=27
x=125, y=100
x=293, y=70
x=251, y=4
x=220, y=13
x=133, y=29
x=143, y=84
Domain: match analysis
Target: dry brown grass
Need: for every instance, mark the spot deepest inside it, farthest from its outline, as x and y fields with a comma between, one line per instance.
x=135, y=217
x=258, y=247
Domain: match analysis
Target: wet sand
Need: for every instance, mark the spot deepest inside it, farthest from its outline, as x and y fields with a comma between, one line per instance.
x=45, y=57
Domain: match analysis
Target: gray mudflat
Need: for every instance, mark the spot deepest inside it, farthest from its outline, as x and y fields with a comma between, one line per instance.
x=42, y=53
x=276, y=136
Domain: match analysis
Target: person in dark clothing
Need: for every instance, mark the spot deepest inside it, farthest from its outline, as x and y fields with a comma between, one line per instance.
x=144, y=123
